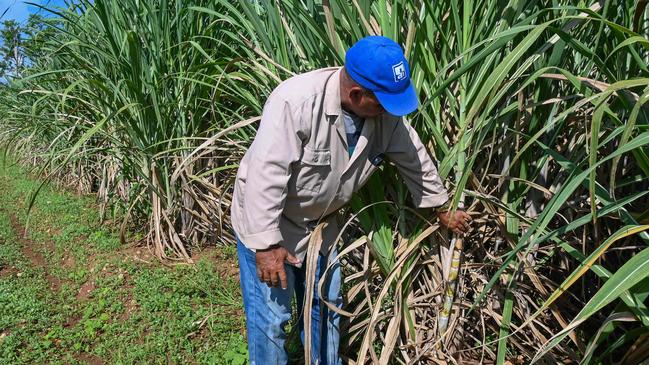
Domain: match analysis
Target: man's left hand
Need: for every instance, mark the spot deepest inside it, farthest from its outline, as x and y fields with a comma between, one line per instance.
x=458, y=222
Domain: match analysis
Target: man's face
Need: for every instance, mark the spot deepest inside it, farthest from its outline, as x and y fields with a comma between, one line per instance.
x=364, y=103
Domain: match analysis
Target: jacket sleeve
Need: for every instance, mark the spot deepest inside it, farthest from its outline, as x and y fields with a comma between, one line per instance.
x=416, y=167
x=277, y=145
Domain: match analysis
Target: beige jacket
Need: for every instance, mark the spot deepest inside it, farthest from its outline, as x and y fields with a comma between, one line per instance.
x=298, y=168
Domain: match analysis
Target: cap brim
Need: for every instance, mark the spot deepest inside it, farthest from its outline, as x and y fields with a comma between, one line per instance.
x=399, y=104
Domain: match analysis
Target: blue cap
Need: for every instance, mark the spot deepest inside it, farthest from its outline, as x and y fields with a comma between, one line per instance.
x=377, y=63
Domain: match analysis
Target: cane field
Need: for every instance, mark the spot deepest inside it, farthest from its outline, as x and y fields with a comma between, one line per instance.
x=122, y=123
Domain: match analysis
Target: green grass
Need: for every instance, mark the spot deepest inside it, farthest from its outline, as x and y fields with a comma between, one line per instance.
x=90, y=299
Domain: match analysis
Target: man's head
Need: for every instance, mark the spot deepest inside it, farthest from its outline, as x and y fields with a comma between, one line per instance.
x=357, y=99
x=376, y=78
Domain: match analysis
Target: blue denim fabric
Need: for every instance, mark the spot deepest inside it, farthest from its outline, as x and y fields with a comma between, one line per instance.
x=268, y=310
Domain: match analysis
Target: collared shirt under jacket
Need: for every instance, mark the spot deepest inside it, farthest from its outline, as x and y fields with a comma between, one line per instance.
x=298, y=168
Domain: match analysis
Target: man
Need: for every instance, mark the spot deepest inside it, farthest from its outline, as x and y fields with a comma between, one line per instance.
x=322, y=135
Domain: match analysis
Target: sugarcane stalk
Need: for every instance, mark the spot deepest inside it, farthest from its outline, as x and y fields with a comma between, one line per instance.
x=451, y=284
x=456, y=247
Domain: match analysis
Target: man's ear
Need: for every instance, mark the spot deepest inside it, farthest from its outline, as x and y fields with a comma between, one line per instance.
x=355, y=94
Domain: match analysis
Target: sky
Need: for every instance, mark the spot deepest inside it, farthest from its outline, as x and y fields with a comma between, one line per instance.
x=20, y=10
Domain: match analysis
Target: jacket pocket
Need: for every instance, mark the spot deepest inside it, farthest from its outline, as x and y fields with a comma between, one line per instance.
x=314, y=168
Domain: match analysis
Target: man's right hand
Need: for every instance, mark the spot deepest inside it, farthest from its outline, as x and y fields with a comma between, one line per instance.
x=270, y=265
x=459, y=222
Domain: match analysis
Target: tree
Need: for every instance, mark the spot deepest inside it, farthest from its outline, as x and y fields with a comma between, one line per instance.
x=11, y=50
x=23, y=46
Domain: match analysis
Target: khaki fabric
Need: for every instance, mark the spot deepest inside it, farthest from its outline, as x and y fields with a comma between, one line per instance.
x=298, y=168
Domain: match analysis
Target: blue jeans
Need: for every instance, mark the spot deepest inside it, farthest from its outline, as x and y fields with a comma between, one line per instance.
x=268, y=310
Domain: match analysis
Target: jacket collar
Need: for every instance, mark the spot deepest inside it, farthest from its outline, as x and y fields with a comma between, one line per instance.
x=332, y=95
x=333, y=109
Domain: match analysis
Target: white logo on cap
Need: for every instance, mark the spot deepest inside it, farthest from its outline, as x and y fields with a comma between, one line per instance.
x=399, y=71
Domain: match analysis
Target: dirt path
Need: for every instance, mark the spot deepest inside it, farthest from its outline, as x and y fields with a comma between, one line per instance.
x=30, y=250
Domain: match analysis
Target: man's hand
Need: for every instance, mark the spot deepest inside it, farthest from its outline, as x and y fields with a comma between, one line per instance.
x=270, y=265
x=457, y=222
